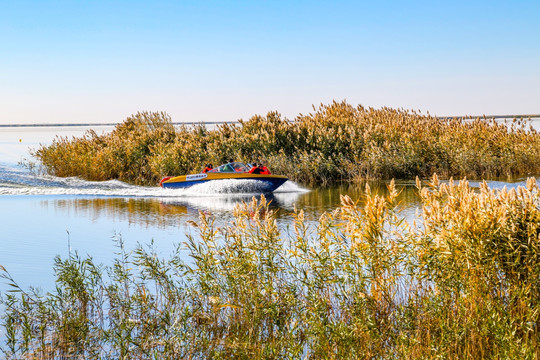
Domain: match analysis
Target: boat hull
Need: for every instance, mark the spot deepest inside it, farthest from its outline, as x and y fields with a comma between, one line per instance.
x=268, y=183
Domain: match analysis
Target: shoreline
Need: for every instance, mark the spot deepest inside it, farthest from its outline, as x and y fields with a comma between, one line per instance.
x=108, y=124
x=487, y=117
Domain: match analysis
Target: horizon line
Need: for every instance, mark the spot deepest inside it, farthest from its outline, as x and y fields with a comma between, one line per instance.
x=520, y=116
x=110, y=124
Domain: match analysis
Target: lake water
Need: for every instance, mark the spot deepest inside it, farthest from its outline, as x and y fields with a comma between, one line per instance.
x=44, y=216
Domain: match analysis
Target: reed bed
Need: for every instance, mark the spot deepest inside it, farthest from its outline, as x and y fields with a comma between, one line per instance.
x=360, y=283
x=335, y=143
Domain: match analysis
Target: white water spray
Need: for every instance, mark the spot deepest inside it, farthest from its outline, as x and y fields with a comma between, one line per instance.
x=15, y=181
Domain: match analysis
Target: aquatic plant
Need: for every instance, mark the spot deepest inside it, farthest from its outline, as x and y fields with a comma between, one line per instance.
x=359, y=283
x=337, y=142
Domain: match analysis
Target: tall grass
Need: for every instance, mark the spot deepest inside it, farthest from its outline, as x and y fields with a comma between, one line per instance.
x=337, y=142
x=462, y=283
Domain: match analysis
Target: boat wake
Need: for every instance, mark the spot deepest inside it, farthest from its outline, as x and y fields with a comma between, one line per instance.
x=15, y=181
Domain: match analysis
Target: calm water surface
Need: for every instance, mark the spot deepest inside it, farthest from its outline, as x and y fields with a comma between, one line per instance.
x=44, y=216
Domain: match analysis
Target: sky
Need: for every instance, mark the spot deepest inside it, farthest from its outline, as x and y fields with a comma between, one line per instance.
x=205, y=61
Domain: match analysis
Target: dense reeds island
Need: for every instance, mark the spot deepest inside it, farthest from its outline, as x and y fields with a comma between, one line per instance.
x=337, y=142
x=361, y=283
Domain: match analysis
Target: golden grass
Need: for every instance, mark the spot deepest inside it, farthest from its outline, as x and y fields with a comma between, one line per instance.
x=360, y=283
x=337, y=142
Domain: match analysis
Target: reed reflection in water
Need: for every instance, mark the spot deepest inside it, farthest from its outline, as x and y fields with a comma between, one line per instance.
x=174, y=212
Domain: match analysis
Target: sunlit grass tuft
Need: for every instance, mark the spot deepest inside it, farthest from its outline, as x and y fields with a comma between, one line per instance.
x=337, y=142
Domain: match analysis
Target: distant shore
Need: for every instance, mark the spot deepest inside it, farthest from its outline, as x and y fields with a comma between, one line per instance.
x=109, y=124
x=522, y=116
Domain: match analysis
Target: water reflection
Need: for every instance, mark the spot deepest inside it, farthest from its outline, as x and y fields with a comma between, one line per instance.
x=321, y=200
x=174, y=212
x=136, y=212
x=165, y=212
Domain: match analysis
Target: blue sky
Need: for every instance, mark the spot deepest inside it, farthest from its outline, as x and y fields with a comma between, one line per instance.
x=100, y=61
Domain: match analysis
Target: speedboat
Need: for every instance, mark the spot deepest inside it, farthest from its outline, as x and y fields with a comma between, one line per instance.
x=236, y=171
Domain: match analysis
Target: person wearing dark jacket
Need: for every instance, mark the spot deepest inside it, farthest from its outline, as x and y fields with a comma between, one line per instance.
x=264, y=169
x=256, y=169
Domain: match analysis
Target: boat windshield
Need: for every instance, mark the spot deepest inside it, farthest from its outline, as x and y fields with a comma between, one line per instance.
x=233, y=167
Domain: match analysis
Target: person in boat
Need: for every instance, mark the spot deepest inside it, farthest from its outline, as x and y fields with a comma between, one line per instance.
x=234, y=167
x=229, y=167
x=238, y=167
x=207, y=168
x=256, y=169
x=264, y=169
